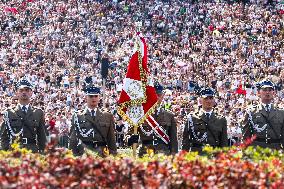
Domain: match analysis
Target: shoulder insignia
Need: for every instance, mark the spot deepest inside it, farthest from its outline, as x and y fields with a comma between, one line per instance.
x=252, y=108
x=169, y=111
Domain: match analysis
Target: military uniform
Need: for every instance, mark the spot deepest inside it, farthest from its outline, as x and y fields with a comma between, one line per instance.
x=268, y=126
x=200, y=130
x=95, y=132
x=203, y=128
x=26, y=123
x=151, y=140
x=265, y=121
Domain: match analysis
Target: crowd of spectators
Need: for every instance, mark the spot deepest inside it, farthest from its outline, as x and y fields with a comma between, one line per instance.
x=58, y=45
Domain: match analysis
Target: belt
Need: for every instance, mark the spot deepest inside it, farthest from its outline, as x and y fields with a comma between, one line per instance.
x=28, y=141
x=94, y=144
x=268, y=140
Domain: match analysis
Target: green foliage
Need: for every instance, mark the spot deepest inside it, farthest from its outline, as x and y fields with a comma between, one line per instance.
x=234, y=167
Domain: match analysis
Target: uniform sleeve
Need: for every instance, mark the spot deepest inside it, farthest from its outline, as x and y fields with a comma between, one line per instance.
x=185, y=137
x=41, y=135
x=74, y=145
x=282, y=128
x=224, y=135
x=246, y=130
x=4, y=136
x=129, y=132
x=173, y=136
x=111, y=136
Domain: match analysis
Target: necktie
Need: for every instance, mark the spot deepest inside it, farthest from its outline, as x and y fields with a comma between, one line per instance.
x=93, y=113
x=207, y=115
x=267, y=108
x=24, y=109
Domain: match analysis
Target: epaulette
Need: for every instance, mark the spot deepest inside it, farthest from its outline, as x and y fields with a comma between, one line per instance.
x=79, y=112
x=251, y=108
x=219, y=115
x=169, y=111
x=10, y=109
x=37, y=108
x=104, y=110
x=195, y=113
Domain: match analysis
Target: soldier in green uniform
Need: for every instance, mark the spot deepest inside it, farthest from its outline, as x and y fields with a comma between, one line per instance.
x=91, y=128
x=205, y=126
x=265, y=121
x=166, y=141
x=24, y=121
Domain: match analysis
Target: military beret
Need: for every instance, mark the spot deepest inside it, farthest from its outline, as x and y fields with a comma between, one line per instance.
x=24, y=83
x=92, y=90
x=205, y=92
x=159, y=88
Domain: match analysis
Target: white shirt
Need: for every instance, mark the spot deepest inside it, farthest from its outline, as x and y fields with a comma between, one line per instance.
x=264, y=106
x=27, y=106
x=90, y=110
x=210, y=112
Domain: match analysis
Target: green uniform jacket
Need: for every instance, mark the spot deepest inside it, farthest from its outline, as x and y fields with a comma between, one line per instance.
x=103, y=122
x=215, y=128
x=33, y=136
x=273, y=132
x=167, y=121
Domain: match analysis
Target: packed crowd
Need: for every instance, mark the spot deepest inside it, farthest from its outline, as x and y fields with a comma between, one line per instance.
x=58, y=46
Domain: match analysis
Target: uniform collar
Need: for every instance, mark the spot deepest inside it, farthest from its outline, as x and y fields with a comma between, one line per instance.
x=210, y=112
x=90, y=110
x=27, y=106
x=265, y=105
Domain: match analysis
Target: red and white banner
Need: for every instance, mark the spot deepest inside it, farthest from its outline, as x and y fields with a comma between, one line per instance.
x=160, y=132
x=138, y=98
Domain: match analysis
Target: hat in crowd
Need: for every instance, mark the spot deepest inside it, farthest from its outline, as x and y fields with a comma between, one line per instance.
x=266, y=84
x=24, y=83
x=205, y=92
x=92, y=90
x=159, y=88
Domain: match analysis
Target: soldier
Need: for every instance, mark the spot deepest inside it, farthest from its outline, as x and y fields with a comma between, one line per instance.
x=92, y=128
x=205, y=126
x=265, y=121
x=24, y=121
x=151, y=140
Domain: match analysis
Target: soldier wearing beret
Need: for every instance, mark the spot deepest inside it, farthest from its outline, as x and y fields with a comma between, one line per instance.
x=24, y=121
x=265, y=121
x=152, y=141
x=91, y=128
x=205, y=126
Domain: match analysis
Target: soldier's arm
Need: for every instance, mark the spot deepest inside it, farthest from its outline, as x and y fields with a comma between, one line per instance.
x=282, y=129
x=129, y=132
x=185, y=137
x=246, y=130
x=173, y=135
x=111, y=136
x=224, y=135
x=74, y=145
x=41, y=135
x=4, y=137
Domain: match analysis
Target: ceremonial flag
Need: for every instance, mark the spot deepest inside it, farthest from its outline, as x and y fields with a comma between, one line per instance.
x=138, y=98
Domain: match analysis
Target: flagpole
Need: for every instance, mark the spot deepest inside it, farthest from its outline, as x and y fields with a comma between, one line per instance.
x=135, y=127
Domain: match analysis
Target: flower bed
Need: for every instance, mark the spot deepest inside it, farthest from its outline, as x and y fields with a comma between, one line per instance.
x=217, y=168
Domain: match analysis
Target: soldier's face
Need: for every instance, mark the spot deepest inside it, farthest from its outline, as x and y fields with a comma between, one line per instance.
x=24, y=94
x=93, y=100
x=207, y=103
x=266, y=95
